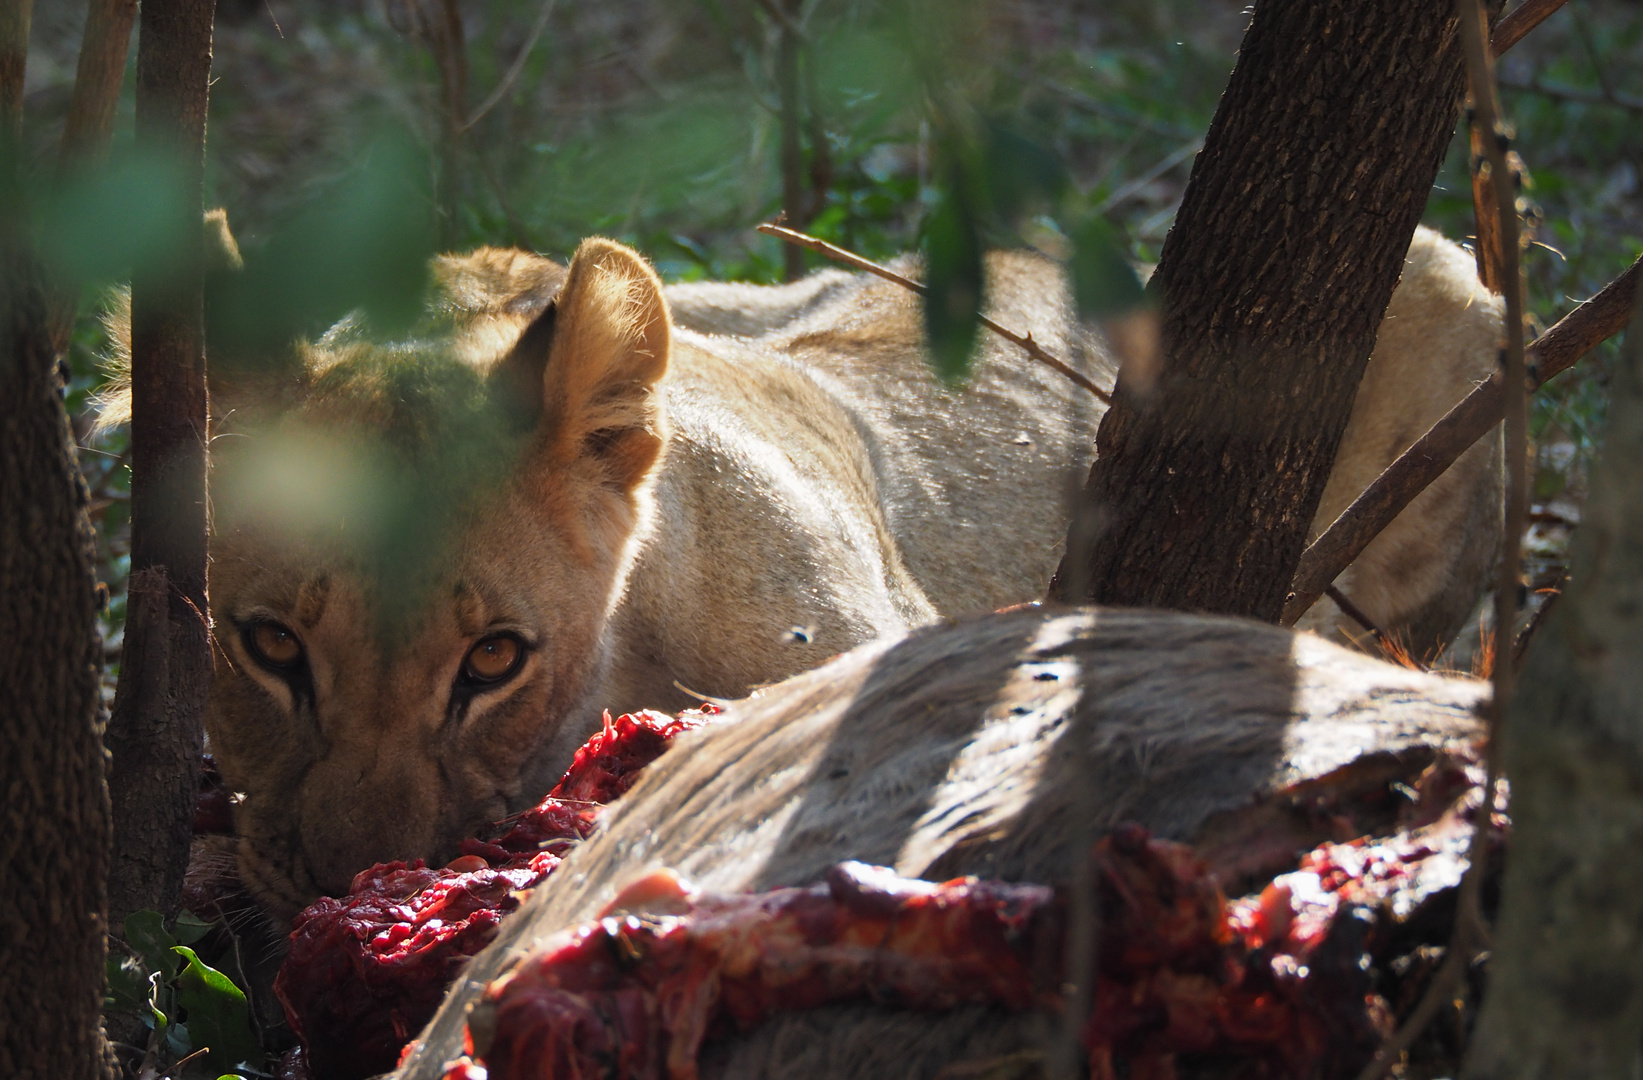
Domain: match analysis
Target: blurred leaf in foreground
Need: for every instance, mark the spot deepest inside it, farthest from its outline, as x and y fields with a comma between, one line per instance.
x=361, y=243
x=953, y=275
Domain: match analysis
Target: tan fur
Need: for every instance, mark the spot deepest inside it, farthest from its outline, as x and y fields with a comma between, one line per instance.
x=987, y=747
x=645, y=506
x=1420, y=578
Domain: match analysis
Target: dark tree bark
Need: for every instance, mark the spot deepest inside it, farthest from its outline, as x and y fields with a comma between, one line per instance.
x=155, y=733
x=1565, y=994
x=1285, y=252
x=90, y=124
x=97, y=79
x=54, y=841
x=14, y=51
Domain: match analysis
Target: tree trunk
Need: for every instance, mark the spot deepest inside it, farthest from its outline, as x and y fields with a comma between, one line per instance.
x=1273, y=281
x=54, y=843
x=155, y=733
x=14, y=51
x=102, y=67
x=1565, y=993
x=90, y=125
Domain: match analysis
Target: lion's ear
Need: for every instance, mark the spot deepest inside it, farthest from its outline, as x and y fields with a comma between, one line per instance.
x=606, y=348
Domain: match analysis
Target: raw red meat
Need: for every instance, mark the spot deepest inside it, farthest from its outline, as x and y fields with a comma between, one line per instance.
x=632, y=996
x=366, y=971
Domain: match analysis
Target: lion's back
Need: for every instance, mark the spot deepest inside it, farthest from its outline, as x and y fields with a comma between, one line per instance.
x=966, y=475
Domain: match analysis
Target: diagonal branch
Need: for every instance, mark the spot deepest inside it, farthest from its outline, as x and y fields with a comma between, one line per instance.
x=1515, y=26
x=850, y=258
x=1575, y=335
x=100, y=71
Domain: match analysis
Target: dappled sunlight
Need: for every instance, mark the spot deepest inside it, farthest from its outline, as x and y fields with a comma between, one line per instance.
x=996, y=775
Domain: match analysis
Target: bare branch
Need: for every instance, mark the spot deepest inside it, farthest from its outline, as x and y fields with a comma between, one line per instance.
x=1354, y=612
x=1515, y=26
x=14, y=51
x=1486, y=118
x=1442, y=989
x=512, y=74
x=1557, y=350
x=850, y=258
x=1574, y=94
x=97, y=79
x=1129, y=190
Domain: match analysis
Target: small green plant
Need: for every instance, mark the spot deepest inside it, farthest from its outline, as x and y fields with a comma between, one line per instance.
x=195, y=1014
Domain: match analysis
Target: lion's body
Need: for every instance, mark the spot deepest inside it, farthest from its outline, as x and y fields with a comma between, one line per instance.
x=640, y=503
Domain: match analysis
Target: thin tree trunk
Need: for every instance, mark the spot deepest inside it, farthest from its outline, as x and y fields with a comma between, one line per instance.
x=1283, y=257
x=155, y=733
x=97, y=80
x=14, y=52
x=1565, y=993
x=90, y=126
x=54, y=842
x=448, y=41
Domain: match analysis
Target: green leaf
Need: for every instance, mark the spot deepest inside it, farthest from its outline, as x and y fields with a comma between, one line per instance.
x=96, y=227
x=1104, y=282
x=362, y=243
x=156, y=992
x=177, y=1040
x=189, y=928
x=953, y=276
x=1020, y=172
x=217, y=1013
x=146, y=934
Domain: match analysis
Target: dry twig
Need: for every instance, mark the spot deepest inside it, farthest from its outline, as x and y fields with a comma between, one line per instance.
x=1355, y=613
x=512, y=74
x=1581, y=97
x=850, y=258
x=1486, y=116
x=1515, y=26
x=1520, y=648
x=1134, y=187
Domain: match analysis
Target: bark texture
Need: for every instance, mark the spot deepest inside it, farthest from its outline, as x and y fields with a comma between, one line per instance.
x=1285, y=252
x=1565, y=993
x=54, y=842
x=89, y=128
x=14, y=51
x=155, y=733
x=102, y=67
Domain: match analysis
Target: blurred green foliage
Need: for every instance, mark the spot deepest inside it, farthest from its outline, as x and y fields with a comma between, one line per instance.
x=1067, y=124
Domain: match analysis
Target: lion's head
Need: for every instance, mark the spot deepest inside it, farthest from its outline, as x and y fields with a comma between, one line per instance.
x=412, y=567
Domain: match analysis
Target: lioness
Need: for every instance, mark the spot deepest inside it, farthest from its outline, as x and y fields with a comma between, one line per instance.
x=436, y=561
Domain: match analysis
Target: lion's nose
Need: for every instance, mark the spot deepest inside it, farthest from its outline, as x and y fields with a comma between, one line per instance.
x=353, y=818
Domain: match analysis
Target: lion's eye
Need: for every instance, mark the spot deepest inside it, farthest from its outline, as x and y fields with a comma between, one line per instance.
x=493, y=659
x=274, y=645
